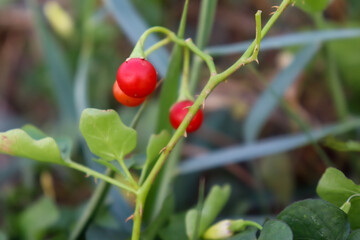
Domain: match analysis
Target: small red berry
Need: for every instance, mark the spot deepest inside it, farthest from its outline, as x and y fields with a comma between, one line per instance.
x=178, y=112
x=137, y=77
x=124, y=99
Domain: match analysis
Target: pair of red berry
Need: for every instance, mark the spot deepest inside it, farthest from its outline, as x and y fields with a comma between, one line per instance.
x=136, y=79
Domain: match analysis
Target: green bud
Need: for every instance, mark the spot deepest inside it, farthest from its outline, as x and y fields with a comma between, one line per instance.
x=346, y=207
x=219, y=230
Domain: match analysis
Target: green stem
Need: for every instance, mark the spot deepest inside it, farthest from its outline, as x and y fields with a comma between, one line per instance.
x=185, y=43
x=184, y=87
x=157, y=46
x=137, y=217
x=127, y=172
x=252, y=48
x=206, y=19
x=96, y=174
x=214, y=80
x=100, y=192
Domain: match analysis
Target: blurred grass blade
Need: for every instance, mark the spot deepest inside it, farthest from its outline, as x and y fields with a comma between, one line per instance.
x=206, y=19
x=267, y=102
x=168, y=96
x=261, y=148
x=133, y=26
x=288, y=40
x=56, y=63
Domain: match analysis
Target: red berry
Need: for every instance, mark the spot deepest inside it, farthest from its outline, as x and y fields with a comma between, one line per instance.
x=124, y=99
x=137, y=77
x=178, y=112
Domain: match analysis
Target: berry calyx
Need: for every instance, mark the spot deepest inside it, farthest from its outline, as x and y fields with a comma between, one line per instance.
x=178, y=112
x=124, y=99
x=137, y=77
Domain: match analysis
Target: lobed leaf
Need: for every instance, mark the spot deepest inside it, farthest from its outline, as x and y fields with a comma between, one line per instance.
x=18, y=143
x=106, y=135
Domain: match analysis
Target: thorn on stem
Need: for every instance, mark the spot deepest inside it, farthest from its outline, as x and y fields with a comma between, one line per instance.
x=129, y=218
x=272, y=13
x=185, y=134
x=276, y=7
x=162, y=150
x=87, y=175
x=95, y=180
x=203, y=105
x=257, y=61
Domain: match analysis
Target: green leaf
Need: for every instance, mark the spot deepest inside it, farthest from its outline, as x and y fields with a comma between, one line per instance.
x=312, y=6
x=37, y=218
x=248, y=234
x=214, y=203
x=275, y=229
x=18, y=143
x=334, y=187
x=3, y=236
x=316, y=219
x=355, y=235
x=338, y=145
x=106, y=135
x=156, y=143
x=64, y=143
x=278, y=176
x=175, y=229
x=152, y=230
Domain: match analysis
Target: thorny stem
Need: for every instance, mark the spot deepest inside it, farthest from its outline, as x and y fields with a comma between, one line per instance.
x=249, y=56
x=96, y=174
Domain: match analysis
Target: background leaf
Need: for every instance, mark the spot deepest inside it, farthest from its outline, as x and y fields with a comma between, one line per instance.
x=334, y=187
x=37, y=218
x=214, y=203
x=156, y=143
x=275, y=229
x=294, y=39
x=342, y=146
x=316, y=219
x=312, y=6
x=17, y=142
x=249, y=152
x=106, y=135
x=267, y=102
x=355, y=235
